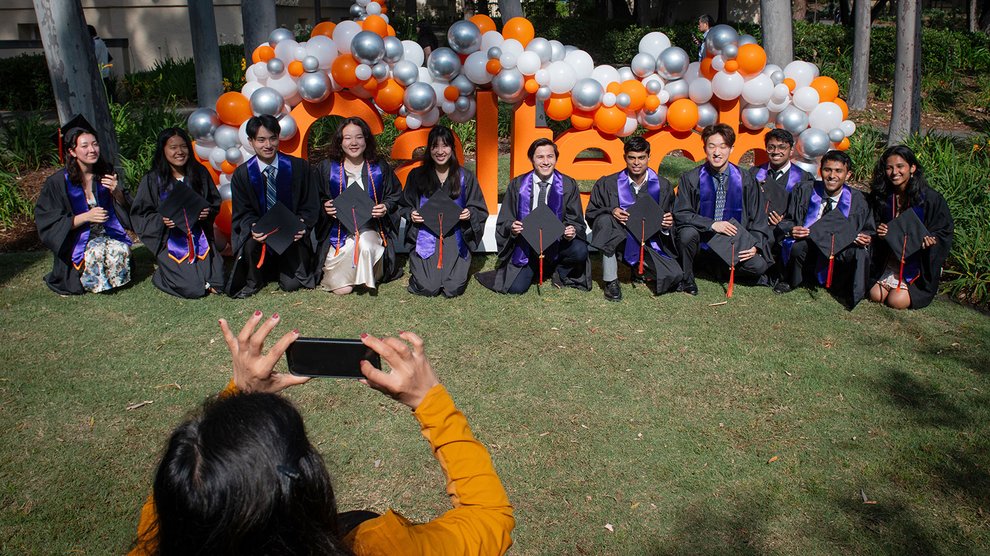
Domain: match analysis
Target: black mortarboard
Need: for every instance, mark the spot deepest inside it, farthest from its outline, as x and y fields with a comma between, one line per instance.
x=541, y=229
x=282, y=224
x=440, y=213
x=728, y=247
x=645, y=219
x=182, y=206
x=59, y=137
x=776, y=198
x=354, y=209
x=832, y=233
x=905, y=234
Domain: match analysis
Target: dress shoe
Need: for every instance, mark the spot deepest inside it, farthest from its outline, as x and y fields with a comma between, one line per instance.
x=688, y=287
x=612, y=291
x=782, y=287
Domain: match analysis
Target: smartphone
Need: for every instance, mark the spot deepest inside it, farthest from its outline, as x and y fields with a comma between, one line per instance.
x=329, y=357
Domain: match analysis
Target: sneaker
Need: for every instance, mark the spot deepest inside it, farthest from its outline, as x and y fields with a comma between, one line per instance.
x=688, y=287
x=613, y=292
x=782, y=287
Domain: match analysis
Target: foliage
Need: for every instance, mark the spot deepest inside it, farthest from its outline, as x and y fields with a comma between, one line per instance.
x=137, y=128
x=26, y=143
x=26, y=83
x=176, y=79
x=864, y=149
x=12, y=201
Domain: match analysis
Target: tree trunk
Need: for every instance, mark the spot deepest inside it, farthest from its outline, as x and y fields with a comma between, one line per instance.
x=76, y=80
x=984, y=24
x=643, y=13
x=206, y=52
x=723, y=12
x=859, y=80
x=509, y=9
x=905, y=111
x=258, y=19
x=971, y=16
x=778, y=33
x=800, y=10
x=844, y=18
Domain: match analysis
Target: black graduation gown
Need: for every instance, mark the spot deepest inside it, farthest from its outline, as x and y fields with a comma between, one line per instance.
x=505, y=273
x=452, y=279
x=852, y=264
x=939, y=224
x=179, y=279
x=390, y=194
x=609, y=236
x=780, y=185
x=295, y=265
x=53, y=217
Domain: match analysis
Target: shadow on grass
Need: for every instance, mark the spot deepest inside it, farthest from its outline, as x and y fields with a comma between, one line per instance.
x=716, y=527
x=888, y=528
x=924, y=402
x=12, y=264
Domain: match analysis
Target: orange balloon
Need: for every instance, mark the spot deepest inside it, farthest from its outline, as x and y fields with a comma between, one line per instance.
x=614, y=88
x=682, y=114
x=519, y=28
x=652, y=102
x=233, y=108
x=324, y=28
x=531, y=86
x=389, y=96
x=731, y=66
x=845, y=107
x=262, y=54
x=227, y=168
x=706, y=69
x=371, y=86
x=843, y=145
x=223, y=218
x=610, y=120
x=400, y=123
x=827, y=88
x=296, y=68
x=376, y=24
x=493, y=66
x=637, y=93
x=384, y=9
x=342, y=70
x=582, y=120
x=560, y=107
x=451, y=93
x=391, y=31
x=790, y=83
x=483, y=22
x=751, y=59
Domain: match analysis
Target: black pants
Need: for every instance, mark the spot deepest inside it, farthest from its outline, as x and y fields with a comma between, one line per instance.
x=689, y=241
x=570, y=259
x=804, y=260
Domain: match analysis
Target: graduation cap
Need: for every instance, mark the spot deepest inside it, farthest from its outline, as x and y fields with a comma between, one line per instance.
x=831, y=234
x=541, y=229
x=440, y=215
x=728, y=248
x=76, y=121
x=906, y=234
x=282, y=224
x=645, y=220
x=183, y=206
x=353, y=213
x=776, y=198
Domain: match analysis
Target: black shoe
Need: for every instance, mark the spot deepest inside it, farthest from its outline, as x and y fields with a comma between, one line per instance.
x=612, y=291
x=782, y=287
x=688, y=287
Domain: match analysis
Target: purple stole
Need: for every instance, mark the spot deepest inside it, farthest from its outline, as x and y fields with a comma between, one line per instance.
x=733, y=195
x=814, y=206
x=627, y=198
x=77, y=200
x=555, y=202
x=912, y=264
x=338, y=183
x=426, y=241
x=793, y=175
x=181, y=245
x=283, y=182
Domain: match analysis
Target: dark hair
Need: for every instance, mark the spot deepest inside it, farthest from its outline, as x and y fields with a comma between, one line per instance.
x=161, y=167
x=837, y=156
x=92, y=30
x=781, y=135
x=370, y=146
x=242, y=478
x=719, y=129
x=100, y=168
x=441, y=134
x=263, y=121
x=880, y=186
x=541, y=142
x=707, y=19
x=636, y=144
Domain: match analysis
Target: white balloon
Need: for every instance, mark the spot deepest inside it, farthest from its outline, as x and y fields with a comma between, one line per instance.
x=284, y=85
x=373, y=8
x=413, y=52
x=608, y=100
x=250, y=87
x=625, y=74
x=581, y=62
x=490, y=39
x=557, y=51
x=775, y=106
x=718, y=63
x=414, y=121
x=542, y=77
x=528, y=63
x=693, y=72
x=727, y=86
x=629, y=127
x=700, y=91
x=758, y=90
x=475, y=68
x=512, y=46
x=780, y=93
x=605, y=74
x=801, y=72
x=295, y=98
x=424, y=75
x=507, y=60
x=203, y=151
x=286, y=50
x=664, y=96
x=217, y=157
x=826, y=116
x=259, y=71
x=431, y=118
x=323, y=49
x=805, y=98
x=562, y=77
x=243, y=138
x=654, y=43
x=300, y=52
x=848, y=127
x=362, y=72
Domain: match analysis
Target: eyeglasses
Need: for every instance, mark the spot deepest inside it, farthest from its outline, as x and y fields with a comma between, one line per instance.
x=777, y=147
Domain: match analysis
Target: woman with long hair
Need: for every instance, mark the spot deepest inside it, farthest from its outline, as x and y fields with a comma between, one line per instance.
x=432, y=273
x=365, y=258
x=899, y=185
x=81, y=215
x=189, y=265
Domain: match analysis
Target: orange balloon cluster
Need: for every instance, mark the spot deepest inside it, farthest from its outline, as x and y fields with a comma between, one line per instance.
x=262, y=54
x=342, y=70
x=519, y=28
x=828, y=89
x=222, y=220
x=324, y=28
x=750, y=60
x=483, y=22
x=233, y=108
x=682, y=115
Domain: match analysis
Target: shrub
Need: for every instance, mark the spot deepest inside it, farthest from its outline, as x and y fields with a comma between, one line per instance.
x=26, y=84
x=26, y=144
x=137, y=128
x=12, y=202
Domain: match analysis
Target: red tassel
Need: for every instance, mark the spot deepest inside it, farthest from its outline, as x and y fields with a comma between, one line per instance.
x=541, y=255
x=732, y=271
x=900, y=274
x=440, y=241
x=357, y=235
x=831, y=263
x=642, y=247
x=261, y=260
x=189, y=239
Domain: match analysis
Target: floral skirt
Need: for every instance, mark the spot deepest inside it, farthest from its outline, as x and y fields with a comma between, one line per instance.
x=107, y=264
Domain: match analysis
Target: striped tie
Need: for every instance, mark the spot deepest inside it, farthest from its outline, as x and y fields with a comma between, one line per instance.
x=271, y=194
x=719, y=195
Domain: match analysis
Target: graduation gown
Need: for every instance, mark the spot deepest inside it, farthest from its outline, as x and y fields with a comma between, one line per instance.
x=570, y=213
x=53, y=217
x=766, y=181
x=926, y=264
x=607, y=234
x=295, y=265
x=175, y=274
x=852, y=264
x=452, y=279
x=387, y=190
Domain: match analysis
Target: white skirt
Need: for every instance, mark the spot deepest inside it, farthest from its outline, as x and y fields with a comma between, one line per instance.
x=341, y=271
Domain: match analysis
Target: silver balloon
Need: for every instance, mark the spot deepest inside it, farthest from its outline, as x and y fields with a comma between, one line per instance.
x=393, y=49
x=225, y=193
x=275, y=67
x=420, y=98
x=673, y=63
x=233, y=155
x=464, y=37
x=654, y=86
x=541, y=47
x=266, y=101
x=747, y=39
x=225, y=137
x=625, y=74
x=279, y=35
x=836, y=135
x=508, y=85
x=443, y=64
x=557, y=51
x=314, y=87
x=793, y=119
x=677, y=89
x=777, y=77
x=707, y=114
x=357, y=12
x=311, y=63
x=379, y=71
x=202, y=123
x=813, y=143
x=655, y=119
x=755, y=117
x=623, y=100
x=719, y=37
x=462, y=104
x=543, y=94
x=368, y=48
x=494, y=53
x=463, y=84
x=405, y=72
x=643, y=64
x=730, y=52
x=587, y=94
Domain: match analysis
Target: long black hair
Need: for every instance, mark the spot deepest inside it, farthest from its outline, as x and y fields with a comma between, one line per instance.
x=242, y=478
x=442, y=134
x=100, y=168
x=161, y=167
x=370, y=145
x=880, y=187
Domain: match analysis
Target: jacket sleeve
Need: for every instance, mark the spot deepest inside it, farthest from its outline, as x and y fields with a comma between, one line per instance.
x=686, y=204
x=145, y=216
x=598, y=204
x=309, y=195
x=53, y=216
x=573, y=215
x=474, y=228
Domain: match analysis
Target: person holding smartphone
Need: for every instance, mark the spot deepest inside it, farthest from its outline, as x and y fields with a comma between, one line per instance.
x=249, y=447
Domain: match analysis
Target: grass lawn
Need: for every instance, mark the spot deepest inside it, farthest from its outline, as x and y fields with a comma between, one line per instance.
x=753, y=427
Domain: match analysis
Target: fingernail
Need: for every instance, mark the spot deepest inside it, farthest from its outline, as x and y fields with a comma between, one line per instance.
x=295, y=331
x=401, y=332
x=275, y=316
x=364, y=335
x=219, y=321
x=257, y=313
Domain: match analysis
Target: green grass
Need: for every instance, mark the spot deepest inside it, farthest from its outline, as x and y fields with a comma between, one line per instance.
x=655, y=415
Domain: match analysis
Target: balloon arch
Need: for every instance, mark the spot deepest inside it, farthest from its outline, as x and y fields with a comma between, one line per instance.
x=360, y=68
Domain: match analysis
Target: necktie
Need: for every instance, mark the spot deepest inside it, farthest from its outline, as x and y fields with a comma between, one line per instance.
x=541, y=198
x=777, y=175
x=719, y=195
x=271, y=192
x=828, y=207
